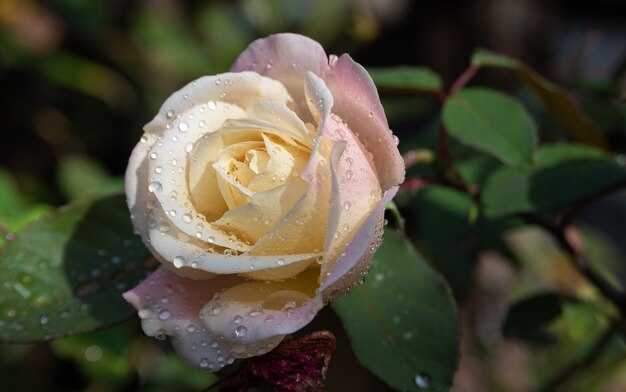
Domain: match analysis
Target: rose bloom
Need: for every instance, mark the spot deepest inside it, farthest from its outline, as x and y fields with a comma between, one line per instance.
x=261, y=191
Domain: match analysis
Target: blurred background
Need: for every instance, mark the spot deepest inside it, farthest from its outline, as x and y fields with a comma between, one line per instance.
x=79, y=79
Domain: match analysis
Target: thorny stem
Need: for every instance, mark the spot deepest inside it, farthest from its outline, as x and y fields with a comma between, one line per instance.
x=588, y=358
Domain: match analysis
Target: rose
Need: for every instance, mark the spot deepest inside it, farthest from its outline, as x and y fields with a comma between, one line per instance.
x=261, y=191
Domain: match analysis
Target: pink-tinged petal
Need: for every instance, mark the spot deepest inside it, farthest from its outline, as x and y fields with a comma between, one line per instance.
x=285, y=57
x=255, y=311
x=356, y=257
x=241, y=89
x=355, y=189
x=319, y=100
x=357, y=103
x=170, y=305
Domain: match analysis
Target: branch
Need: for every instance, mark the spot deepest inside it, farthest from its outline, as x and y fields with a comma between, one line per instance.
x=565, y=238
x=587, y=359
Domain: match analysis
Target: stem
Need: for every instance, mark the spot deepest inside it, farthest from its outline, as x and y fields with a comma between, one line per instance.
x=578, y=364
x=463, y=79
x=580, y=262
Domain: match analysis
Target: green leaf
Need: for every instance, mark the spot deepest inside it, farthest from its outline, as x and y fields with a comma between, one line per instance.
x=555, y=99
x=402, y=321
x=64, y=274
x=80, y=176
x=529, y=318
x=406, y=79
x=561, y=176
x=493, y=123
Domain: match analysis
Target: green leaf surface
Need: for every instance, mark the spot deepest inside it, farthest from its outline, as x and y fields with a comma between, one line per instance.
x=561, y=175
x=64, y=274
x=529, y=318
x=402, y=321
x=406, y=78
x=555, y=99
x=491, y=122
x=80, y=176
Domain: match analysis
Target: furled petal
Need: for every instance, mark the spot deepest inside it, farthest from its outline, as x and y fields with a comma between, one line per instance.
x=357, y=103
x=240, y=89
x=170, y=305
x=355, y=258
x=285, y=57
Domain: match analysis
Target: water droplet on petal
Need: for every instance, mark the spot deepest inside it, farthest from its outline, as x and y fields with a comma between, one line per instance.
x=215, y=344
x=241, y=331
x=204, y=362
x=211, y=105
x=183, y=126
x=144, y=313
x=280, y=261
x=164, y=314
x=178, y=261
x=155, y=187
x=237, y=319
x=170, y=113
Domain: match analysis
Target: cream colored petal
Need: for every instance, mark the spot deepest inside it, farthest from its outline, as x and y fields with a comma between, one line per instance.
x=257, y=160
x=256, y=311
x=279, y=168
x=241, y=89
x=293, y=234
x=176, y=248
x=203, y=179
x=281, y=117
x=168, y=165
x=256, y=218
x=137, y=173
x=233, y=192
x=354, y=190
x=242, y=128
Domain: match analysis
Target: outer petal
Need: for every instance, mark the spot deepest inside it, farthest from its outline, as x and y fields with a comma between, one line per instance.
x=240, y=89
x=357, y=103
x=354, y=189
x=285, y=57
x=358, y=253
x=170, y=305
x=255, y=311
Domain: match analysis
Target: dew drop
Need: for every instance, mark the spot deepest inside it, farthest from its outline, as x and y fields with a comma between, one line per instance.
x=241, y=331
x=179, y=261
x=170, y=113
x=189, y=147
x=211, y=105
x=422, y=380
x=144, y=313
x=187, y=218
x=155, y=187
x=183, y=126
x=44, y=319
x=204, y=362
x=153, y=155
x=280, y=261
x=347, y=205
x=237, y=319
x=395, y=140
x=215, y=344
x=191, y=328
x=164, y=314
